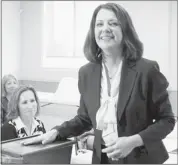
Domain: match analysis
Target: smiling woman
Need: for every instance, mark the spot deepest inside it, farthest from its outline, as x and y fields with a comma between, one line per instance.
x=131, y=113
x=22, y=117
x=9, y=84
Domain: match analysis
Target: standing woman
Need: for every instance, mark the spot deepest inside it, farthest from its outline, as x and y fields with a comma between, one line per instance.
x=22, y=118
x=124, y=96
x=9, y=84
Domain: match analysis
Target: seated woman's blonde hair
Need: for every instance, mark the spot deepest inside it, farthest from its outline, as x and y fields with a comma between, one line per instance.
x=4, y=81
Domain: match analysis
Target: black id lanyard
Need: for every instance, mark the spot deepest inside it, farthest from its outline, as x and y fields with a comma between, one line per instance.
x=108, y=81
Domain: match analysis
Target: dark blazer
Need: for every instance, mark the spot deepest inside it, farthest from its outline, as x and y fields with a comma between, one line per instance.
x=143, y=108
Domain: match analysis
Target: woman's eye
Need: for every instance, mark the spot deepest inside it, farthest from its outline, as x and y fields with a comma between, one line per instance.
x=24, y=102
x=8, y=83
x=99, y=24
x=32, y=100
x=114, y=24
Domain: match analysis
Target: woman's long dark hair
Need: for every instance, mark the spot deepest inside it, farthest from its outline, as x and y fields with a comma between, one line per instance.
x=132, y=46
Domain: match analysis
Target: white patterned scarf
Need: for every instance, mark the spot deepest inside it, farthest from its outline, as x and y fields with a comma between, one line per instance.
x=106, y=117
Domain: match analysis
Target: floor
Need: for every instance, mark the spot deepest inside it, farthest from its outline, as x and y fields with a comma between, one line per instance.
x=55, y=114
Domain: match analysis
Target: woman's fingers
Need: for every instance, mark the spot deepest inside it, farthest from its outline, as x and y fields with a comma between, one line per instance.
x=115, y=159
x=44, y=138
x=46, y=141
x=114, y=154
x=108, y=149
x=111, y=143
x=50, y=137
x=34, y=140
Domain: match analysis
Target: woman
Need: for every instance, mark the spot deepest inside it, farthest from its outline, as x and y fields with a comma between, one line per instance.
x=124, y=97
x=23, y=109
x=9, y=84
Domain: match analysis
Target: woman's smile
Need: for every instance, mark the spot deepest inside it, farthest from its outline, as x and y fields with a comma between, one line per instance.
x=107, y=38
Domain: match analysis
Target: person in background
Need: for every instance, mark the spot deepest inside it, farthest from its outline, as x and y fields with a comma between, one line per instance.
x=22, y=118
x=9, y=84
x=124, y=96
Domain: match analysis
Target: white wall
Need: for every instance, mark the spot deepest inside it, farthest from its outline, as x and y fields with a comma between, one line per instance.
x=10, y=37
x=1, y=49
x=155, y=23
x=31, y=47
x=173, y=45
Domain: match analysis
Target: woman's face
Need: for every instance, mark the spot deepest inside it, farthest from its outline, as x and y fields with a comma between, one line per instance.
x=108, y=33
x=11, y=85
x=27, y=104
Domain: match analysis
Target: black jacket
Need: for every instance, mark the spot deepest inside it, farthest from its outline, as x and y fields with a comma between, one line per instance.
x=143, y=97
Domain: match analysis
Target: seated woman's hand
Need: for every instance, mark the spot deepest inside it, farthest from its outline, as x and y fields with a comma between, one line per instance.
x=119, y=148
x=46, y=138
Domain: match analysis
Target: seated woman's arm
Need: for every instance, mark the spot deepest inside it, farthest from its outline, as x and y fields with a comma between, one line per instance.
x=8, y=132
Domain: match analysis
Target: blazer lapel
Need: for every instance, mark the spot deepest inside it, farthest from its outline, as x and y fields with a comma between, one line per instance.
x=128, y=77
x=95, y=82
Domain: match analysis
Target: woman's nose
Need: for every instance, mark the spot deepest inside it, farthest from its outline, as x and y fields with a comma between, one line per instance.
x=106, y=28
x=13, y=85
x=30, y=105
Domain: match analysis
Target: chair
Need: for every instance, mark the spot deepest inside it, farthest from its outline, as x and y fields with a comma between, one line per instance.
x=66, y=93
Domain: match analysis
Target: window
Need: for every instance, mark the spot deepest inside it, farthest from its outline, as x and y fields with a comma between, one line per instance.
x=66, y=24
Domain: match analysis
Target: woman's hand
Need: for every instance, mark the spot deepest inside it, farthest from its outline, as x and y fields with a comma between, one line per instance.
x=83, y=136
x=121, y=147
x=46, y=138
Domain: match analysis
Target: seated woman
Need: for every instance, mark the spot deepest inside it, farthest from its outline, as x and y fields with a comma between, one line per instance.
x=23, y=108
x=9, y=84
